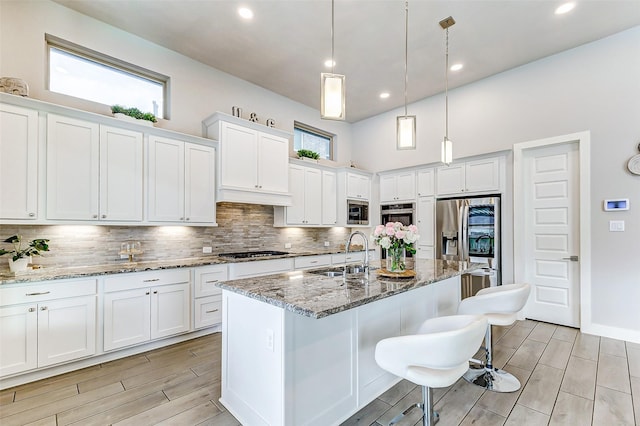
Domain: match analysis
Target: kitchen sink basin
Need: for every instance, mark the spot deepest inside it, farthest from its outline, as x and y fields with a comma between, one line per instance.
x=338, y=271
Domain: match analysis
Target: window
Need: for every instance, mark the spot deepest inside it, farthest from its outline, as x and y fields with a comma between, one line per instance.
x=307, y=137
x=83, y=73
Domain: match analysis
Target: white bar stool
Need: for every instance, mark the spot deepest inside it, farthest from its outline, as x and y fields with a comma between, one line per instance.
x=434, y=358
x=500, y=305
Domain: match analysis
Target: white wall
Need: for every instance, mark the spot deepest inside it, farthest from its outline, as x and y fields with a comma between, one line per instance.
x=197, y=90
x=594, y=87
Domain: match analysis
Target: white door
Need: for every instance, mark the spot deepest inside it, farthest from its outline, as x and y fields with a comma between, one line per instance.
x=550, y=178
x=121, y=174
x=166, y=180
x=199, y=183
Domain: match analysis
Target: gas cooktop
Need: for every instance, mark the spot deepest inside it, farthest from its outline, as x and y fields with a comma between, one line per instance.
x=250, y=254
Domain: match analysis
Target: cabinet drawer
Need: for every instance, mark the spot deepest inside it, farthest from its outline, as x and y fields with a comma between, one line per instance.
x=46, y=291
x=257, y=268
x=208, y=311
x=312, y=261
x=146, y=279
x=350, y=258
x=206, y=279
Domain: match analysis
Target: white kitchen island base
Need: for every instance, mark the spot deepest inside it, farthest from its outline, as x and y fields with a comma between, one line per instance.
x=283, y=368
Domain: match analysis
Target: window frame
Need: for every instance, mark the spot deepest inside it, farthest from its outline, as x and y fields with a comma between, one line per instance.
x=110, y=62
x=319, y=132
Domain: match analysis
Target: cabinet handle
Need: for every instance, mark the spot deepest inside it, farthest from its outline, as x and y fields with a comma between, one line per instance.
x=255, y=186
x=212, y=311
x=44, y=308
x=104, y=216
x=151, y=280
x=147, y=293
x=314, y=261
x=32, y=214
x=32, y=309
x=260, y=186
x=95, y=216
x=38, y=294
x=155, y=292
x=211, y=281
x=182, y=218
x=187, y=219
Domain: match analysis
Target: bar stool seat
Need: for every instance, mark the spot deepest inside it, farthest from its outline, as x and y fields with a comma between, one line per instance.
x=435, y=357
x=500, y=305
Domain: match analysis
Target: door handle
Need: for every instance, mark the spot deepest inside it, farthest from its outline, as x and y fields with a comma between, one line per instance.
x=573, y=258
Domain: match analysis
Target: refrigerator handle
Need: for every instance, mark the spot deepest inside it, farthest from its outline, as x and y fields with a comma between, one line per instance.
x=464, y=234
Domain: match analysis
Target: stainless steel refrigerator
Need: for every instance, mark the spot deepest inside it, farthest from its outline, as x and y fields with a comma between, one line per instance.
x=468, y=229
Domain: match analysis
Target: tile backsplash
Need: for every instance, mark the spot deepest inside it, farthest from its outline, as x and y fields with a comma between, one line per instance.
x=240, y=227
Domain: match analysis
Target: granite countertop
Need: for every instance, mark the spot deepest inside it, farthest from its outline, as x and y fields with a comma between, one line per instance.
x=318, y=296
x=55, y=273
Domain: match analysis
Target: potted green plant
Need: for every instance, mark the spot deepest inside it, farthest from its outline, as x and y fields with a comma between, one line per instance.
x=121, y=112
x=306, y=153
x=22, y=255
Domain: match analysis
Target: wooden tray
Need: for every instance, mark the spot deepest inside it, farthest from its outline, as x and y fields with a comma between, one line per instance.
x=407, y=273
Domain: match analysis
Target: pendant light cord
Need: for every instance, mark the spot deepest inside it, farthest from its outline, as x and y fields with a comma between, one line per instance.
x=406, y=54
x=333, y=62
x=446, y=88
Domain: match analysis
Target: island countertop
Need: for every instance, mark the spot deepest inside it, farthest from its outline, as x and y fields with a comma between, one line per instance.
x=317, y=296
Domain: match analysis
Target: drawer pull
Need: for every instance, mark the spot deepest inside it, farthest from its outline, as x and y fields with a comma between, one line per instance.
x=212, y=311
x=38, y=294
x=314, y=261
x=152, y=280
x=44, y=308
x=212, y=281
x=32, y=309
x=147, y=293
x=155, y=292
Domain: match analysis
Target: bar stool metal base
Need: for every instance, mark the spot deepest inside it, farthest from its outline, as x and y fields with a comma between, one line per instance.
x=493, y=379
x=429, y=417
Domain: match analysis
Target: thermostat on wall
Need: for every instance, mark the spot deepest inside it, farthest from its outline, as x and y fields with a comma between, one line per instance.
x=621, y=204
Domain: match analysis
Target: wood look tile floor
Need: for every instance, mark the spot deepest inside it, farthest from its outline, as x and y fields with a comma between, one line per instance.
x=568, y=378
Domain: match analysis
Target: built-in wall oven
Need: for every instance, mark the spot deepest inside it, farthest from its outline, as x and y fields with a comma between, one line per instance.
x=357, y=212
x=403, y=213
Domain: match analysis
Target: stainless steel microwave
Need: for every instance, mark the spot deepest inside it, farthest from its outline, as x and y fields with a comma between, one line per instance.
x=357, y=212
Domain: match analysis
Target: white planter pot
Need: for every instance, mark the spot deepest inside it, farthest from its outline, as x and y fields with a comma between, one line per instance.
x=19, y=265
x=121, y=116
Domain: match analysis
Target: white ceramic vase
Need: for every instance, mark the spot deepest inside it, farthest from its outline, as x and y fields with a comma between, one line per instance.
x=19, y=265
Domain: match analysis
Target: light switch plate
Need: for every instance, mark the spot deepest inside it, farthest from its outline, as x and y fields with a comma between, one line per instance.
x=616, y=226
x=327, y=243
x=207, y=250
x=287, y=245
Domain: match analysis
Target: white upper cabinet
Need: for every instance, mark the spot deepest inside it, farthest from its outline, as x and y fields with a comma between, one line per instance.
x=306, y=189
x=253, y=161
x=93, y=172
x=426, y=183
x=329, y=198
x=475, y=176
x=181, y=181
x=398, y=187
x=18, y=163
x=358, y=186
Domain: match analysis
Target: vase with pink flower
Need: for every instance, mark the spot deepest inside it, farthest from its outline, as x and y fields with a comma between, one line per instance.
x=397, y=239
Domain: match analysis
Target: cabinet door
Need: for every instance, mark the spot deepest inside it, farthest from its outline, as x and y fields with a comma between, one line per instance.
x=329, y=198
x=66, y=330
x=18, y=338
x=295, y=212
x=426, y=220
x=126, y=318
x=73, y=153
x=388, y=188
x=238, y=157
x=406, y=186
x=170, y=310
x=358, y=186
x=166, y=180
x=273, y=159
x=121, y=171
x=426, y=187
x=199, y=183
x=483, y=175
x=18, y=163
x=450, y=179
x=313, y=196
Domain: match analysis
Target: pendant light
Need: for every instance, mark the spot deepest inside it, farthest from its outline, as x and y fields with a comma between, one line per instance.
x=406, y=124
x=332, y=87
x=447, y=147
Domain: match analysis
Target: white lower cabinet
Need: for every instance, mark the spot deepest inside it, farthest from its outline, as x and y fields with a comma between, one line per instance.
x=145, y=306
x=46, y=324
x=207, y=303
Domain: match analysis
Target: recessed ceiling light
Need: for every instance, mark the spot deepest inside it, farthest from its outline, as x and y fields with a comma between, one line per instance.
x=384, y=95
x=564, y=8
x=456, y=67
x=245, y=13
x=329, y=63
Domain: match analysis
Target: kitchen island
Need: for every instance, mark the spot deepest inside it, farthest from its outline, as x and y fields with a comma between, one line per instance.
x=298, y=348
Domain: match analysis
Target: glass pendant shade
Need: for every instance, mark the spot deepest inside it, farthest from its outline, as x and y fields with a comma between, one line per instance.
x=406, y=132
x=447, y=151
x=332, y=96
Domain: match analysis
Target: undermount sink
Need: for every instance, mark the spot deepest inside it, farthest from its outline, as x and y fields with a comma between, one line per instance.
x=339, y=271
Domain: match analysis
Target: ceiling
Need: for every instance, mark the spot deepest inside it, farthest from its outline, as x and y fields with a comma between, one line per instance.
x=284, y=46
